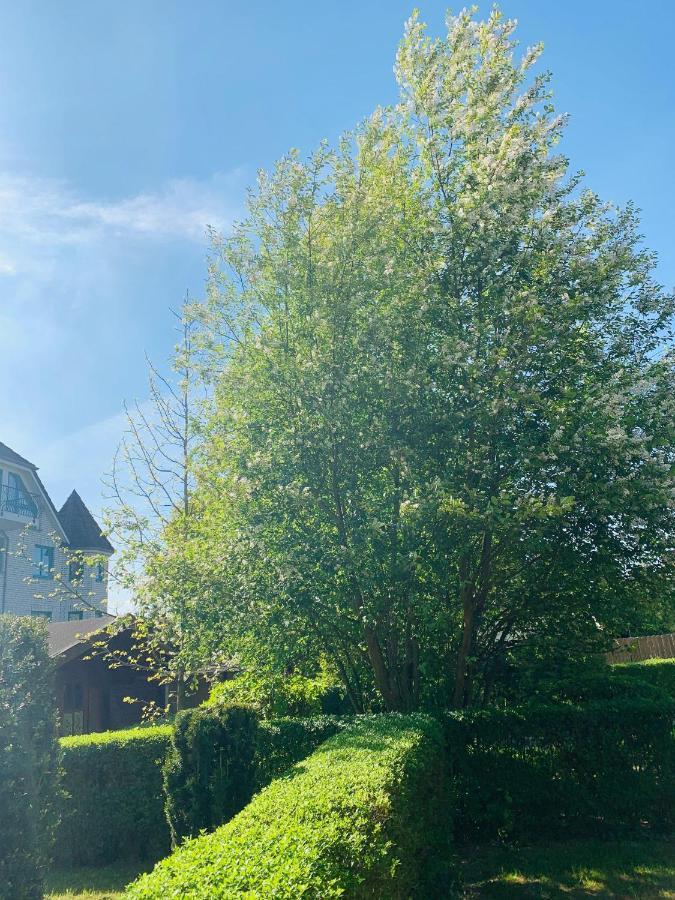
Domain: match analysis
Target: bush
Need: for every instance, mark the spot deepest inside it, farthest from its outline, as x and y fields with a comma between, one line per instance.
x=284, y=742
x=544, y=770
x=115, y=805
x=607, y=684
x=28, y=757
x=361, y=817
x=210, y=772
x=274, y=694
x=660, y=673
x=221, y=754
x=593, y=680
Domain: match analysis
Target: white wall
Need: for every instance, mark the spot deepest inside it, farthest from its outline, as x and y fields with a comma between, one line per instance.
x=19, y=592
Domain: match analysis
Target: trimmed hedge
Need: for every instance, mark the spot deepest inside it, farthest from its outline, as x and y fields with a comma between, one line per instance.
x=284, y=742
x=220, y=755
x=660, y=673
x=28, y=757
x=115, y=805
x=119, y=798
x=209, y=773
x=361, y=817
x=544, y=770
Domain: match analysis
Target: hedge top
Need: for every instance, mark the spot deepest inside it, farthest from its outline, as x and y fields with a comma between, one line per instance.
x=150, y=732
x=322, y=830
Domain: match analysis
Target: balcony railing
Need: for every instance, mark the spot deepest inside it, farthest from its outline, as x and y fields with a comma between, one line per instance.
x=17, y=502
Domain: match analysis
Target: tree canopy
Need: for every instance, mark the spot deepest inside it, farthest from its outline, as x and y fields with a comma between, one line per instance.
x=442, y=427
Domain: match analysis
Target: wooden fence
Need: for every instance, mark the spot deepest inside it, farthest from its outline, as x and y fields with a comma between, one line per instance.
x=655, y=646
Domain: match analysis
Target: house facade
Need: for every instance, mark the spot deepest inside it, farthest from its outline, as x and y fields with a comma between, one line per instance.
x=53, y=563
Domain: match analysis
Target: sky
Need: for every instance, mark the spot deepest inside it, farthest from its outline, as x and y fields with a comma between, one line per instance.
x=127, y=127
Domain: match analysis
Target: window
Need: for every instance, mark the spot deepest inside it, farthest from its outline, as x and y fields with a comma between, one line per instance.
x=100, y=572
x=75, y=571
x=18, y=500
x=74, y=615
x=15, y=483
x=3, y=551
x=42, y=614
x=72, y=721
x=43, y=561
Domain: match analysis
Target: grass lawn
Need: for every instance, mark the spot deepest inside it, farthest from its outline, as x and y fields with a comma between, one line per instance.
x=620, y=869
x=105, y=883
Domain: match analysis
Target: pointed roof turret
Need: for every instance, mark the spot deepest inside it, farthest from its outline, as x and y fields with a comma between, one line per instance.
x=84, y=532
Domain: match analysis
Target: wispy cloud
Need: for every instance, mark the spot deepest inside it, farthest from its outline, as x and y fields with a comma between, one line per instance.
x=60, y=251
x=50, y=214
x=85, y=286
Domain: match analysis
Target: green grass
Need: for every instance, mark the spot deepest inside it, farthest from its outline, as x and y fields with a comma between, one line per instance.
x=104, y=883
x=621, y=869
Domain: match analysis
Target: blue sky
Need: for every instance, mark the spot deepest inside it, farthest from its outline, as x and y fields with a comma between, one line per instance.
x=126, y=127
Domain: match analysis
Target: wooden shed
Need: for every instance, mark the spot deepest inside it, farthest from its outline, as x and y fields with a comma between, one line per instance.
x=92, y=694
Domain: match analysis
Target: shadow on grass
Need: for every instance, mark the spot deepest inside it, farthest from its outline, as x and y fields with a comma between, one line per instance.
x=105, y=883
x=643, y=868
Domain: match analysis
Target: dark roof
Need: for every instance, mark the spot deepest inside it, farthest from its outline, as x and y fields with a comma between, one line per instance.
x=9, y=455
x=82, y=529
x=63, y=636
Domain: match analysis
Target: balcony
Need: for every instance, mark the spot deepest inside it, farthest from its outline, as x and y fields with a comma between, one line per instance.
x=17, y=505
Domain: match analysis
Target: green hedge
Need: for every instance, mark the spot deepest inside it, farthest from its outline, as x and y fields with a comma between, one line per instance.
x=115, y=805
x=209, y=773
x=220, y=755
x=646, y=680
x=361, y=817
x=660, y=673
x=118, y=796
x=283, y=742
x=544, y=770
x=28, y=757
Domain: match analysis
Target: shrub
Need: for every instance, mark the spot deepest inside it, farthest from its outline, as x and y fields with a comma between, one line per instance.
x=283, y=742
x=660, y=673
x=274, y=694
x=607, y=684
x=209, y=773
x=592, y=680
x=28, y=757
x=221, y=754
x=549, y=769
x=115, y=805
x=361, y=817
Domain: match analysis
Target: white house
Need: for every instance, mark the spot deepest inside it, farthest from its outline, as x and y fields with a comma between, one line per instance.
x=53, y=563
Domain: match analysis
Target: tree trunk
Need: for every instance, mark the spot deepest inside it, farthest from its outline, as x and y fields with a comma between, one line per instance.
x=474, y=594
x=465, y=648
x=398, y=682
x=180, y=690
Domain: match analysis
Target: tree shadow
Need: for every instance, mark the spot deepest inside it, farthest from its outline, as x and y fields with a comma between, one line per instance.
x=626, y=869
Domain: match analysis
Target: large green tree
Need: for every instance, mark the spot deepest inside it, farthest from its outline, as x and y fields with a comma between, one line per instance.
x=443, y=427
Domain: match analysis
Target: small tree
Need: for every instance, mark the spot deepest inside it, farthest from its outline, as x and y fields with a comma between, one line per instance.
x=153, y=516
